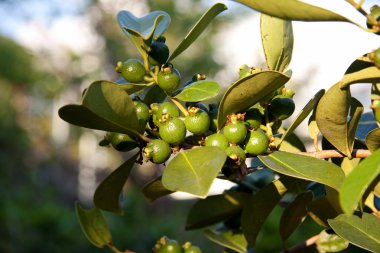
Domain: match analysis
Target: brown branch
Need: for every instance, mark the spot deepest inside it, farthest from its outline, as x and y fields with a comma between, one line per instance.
x=356, y=153
x=303, y=245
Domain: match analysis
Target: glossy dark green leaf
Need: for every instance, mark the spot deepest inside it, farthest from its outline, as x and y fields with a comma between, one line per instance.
x=154, y=190
x=216, y=208
x=293, y=10
x=94, y=226
x=258, y=208
x=228, y=239
x=358, y=181
x=277, y=40
x=106, y=107
x=303, y=113
x=320, y=210
x=197, y=30
x=198, y=91
x=248, y=91
x=331, y=116
x=108, y=192
x=330, y=242
x=367, y=123
x=305, y=167
x=153, y=24
x=363, y=232
x=294, y=214
x=373, y=139
x=194, y=170
x=361, y=71
x=154, y=94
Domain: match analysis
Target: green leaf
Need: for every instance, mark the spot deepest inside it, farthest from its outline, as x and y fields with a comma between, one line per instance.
x=293, y=10
x=373, y=139
x=363, y=232
x=198, y=91
x=358, y=181
x=331, y=117
x=294, y=214
x=303, y=113
x=216, y=208
x=154, y=190
x=321, y=209
x=107, y=194
x=154, y=94
x=248, y=91
x=153, y=24
x=228, y=239
x=277, y=39
x=330, y=242
x=305, y=167
x=197, y=30
x=356, y=112
x=194, y=170
x=105, y=106
x=258, y=208
x=361, y=71
x=94, y=226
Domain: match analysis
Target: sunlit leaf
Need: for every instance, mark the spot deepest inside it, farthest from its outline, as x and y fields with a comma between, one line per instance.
x=305, y=167
x=154, y=190
x=108, y=192
x=375, y=91
x=373, y=139
x=363, y=232
x=303, y=113
x=94, y=226
x=357, y=182
x=194, y=170
x=330, y=242
x=153, y=24
x=277, y=40
x=106, y=107
x=228, y=239
x=199, y=27
x=198, y=91
x=293, y=10
x=248, y=91
x=331, y=116
x=361, y=71
x=258, y=208
x=216, y=208
x=294, y=214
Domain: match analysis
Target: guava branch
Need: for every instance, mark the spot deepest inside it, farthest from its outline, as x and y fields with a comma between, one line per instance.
x=323, y=154
x=303, y=245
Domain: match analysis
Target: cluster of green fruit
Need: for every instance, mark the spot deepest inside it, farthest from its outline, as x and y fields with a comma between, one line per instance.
x=245, y=133
x=166, y=245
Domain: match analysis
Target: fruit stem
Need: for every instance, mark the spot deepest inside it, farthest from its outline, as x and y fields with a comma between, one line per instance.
x=146, y=61
x=358, y=6
x=114, y=249
x=144, y=138
x=180, y=106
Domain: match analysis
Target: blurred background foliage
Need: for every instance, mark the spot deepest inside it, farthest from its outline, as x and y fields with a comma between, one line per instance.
x=40, y=156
